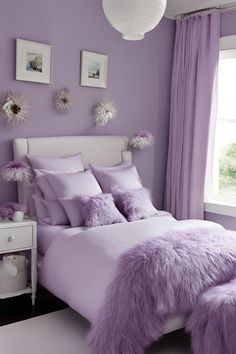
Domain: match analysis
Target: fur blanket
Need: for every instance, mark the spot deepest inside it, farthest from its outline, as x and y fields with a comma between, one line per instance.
x=159, y=278
x=213, y=321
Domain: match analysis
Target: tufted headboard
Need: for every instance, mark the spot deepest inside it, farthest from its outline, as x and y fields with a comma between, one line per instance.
x=101, y=150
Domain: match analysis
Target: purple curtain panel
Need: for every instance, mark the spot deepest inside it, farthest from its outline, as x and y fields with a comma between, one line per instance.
x=196, y=56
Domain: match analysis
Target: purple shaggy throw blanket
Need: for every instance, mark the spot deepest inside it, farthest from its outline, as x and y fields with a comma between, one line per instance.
x=213, y=321
x=162, y=277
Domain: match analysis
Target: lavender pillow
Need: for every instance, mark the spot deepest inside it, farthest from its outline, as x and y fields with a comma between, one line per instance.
x=71, y=163
x=41, y=210
x=73, y=211
x=68, y=185
x=121, y=166
x=99, y=210
x=56, y=212
x=125, y=179
x=43, y=184
x=135, y=204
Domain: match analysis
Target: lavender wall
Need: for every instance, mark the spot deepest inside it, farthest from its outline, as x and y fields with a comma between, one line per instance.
x=139, y=79
x=228, y=27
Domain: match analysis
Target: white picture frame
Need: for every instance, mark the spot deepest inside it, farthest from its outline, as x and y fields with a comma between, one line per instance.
x=33, y=61
x=93, y=69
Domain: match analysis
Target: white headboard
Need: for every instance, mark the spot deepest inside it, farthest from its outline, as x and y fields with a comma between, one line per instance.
x=101, y=150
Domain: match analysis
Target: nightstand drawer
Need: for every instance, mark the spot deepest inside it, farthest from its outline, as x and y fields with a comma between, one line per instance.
x=16, y=237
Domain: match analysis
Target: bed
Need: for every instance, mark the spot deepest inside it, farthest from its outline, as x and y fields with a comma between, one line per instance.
x=96, y=252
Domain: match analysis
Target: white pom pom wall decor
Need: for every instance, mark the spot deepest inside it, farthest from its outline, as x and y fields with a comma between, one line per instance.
x=14, y=109
x=63, y=100
x=141, y=140
x=104, y=112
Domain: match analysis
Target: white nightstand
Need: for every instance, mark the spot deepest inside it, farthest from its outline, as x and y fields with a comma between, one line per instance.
x=21, y=236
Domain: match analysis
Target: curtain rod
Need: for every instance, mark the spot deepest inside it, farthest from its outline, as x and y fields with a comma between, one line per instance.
x=219, y=8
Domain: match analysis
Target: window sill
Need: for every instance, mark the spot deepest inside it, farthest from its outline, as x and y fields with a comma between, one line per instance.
x=221, y=208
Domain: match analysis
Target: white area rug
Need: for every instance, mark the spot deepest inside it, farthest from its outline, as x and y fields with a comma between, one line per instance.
x=63, y=332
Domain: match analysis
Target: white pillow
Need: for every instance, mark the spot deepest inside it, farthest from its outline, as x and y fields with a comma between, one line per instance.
x=123, y=179
x=70, y=163
x=67, y=185
x=120, y=166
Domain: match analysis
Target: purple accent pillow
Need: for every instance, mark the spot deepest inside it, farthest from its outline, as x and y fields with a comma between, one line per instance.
x=68, y=185
x=70, y=163
x=135, y=204
x=56, y=212
x=99, y=210
x=124, y=179
x=73, y=211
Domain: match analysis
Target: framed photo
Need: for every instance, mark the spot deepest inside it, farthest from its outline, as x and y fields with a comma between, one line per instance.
x=94, y=69
x=33, y=61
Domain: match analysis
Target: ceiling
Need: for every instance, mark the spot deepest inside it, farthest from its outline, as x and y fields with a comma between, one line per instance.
x=178, y=7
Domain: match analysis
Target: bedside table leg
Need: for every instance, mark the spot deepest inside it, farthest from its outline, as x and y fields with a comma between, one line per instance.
x=33, y=274
x=33, y=298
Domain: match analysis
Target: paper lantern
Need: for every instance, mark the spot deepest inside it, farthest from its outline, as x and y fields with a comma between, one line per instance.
x=133, y=18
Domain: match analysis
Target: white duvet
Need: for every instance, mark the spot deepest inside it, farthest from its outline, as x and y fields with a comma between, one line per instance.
x=79, y=269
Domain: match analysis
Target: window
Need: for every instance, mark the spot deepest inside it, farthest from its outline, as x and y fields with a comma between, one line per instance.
x=221, y=171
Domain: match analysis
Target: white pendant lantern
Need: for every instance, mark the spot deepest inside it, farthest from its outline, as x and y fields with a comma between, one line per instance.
x=133, y=18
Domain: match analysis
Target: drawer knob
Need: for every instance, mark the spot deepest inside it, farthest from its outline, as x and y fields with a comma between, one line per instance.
x=11, y=238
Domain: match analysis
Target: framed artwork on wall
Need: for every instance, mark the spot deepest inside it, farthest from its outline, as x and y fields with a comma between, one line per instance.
x=93, y=69
x=33, y=61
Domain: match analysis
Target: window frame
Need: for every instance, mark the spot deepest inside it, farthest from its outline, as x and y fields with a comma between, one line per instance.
x=211, y=205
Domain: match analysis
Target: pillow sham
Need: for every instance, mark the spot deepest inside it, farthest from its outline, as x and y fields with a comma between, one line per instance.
x=67, y=185
x=56, y=212
x=70, y=163
x=41, y=211
x=120, y=166
x=43, y=184
x=73, y=211
x=135, y=204
x=125, y=179
x=99, y=210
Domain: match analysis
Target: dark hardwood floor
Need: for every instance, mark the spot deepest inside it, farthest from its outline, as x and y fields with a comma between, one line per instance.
x=20, y=308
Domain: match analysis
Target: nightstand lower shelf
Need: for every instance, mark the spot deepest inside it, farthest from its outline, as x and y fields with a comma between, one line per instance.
x=18, y=237
x=27, y=290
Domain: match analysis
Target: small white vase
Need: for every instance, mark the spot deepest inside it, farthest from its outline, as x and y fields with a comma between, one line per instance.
x=18, y=216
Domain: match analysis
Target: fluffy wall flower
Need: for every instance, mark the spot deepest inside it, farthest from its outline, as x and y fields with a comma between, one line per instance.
x=14, y=109
x=17, y=171
x=7, y=210
x=141, y=140
x=104, y=112
x=63, y=100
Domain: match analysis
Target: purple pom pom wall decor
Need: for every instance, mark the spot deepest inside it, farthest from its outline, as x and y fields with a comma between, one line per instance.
x=141, y=140
x=17, y=171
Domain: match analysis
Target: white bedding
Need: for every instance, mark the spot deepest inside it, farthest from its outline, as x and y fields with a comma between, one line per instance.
x=78, y=269
x=48, y=233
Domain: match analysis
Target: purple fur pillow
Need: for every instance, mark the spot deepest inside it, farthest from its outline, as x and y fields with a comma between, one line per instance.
x=99, y=210
x=135, y=204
